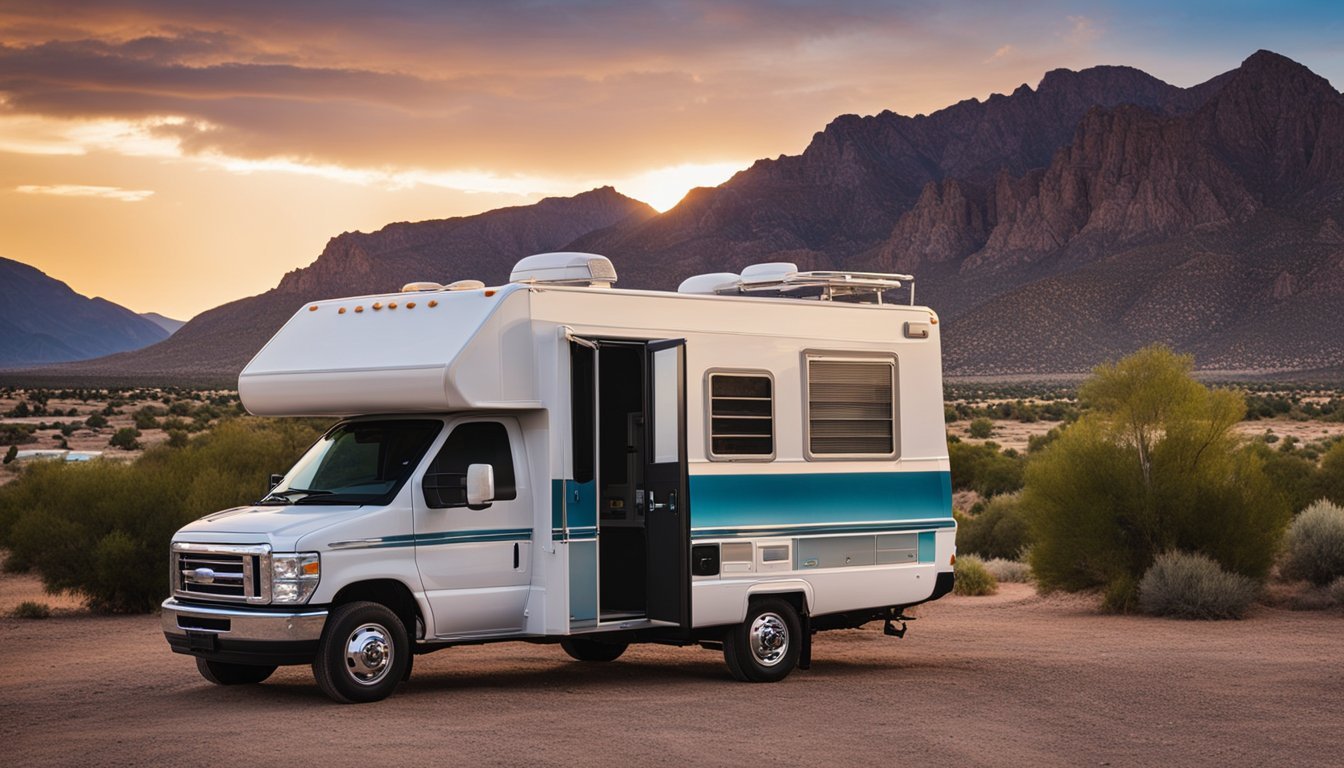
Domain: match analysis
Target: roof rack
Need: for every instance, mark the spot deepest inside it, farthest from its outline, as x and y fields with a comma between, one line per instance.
x=783, y=278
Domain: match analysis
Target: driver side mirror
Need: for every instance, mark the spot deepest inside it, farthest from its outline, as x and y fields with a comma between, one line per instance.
x=480, y=485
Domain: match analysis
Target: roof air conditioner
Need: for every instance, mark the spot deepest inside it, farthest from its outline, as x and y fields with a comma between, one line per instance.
x=565, y=268
x=710, y=283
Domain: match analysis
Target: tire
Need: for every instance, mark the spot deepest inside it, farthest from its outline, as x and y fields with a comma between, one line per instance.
x=222, y=673
x=363, y=653
x=582, y=649
x=765, y=647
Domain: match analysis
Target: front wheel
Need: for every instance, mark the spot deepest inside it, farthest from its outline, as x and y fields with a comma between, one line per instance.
x=592, y=650
x=363, y=653
x=222, y=673
x=765, y=647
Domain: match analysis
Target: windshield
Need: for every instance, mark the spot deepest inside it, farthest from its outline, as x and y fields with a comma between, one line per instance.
x=359, y=462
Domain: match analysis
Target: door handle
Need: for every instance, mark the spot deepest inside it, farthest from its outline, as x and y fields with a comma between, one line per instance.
x=671, y=502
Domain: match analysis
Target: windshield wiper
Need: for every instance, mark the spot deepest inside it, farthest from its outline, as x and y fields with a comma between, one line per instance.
x=283, y=496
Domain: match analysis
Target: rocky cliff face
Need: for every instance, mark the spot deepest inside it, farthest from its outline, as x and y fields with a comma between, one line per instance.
x=43, y=321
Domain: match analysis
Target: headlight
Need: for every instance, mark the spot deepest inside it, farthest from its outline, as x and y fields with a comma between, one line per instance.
x=294, y=576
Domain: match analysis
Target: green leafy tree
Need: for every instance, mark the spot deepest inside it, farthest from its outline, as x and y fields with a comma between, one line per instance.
x=1152, y=466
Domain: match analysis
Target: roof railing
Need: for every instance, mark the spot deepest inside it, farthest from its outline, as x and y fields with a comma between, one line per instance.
x=784, y=279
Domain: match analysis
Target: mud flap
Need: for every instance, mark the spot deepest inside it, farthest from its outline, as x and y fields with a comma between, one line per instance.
x=805, y=652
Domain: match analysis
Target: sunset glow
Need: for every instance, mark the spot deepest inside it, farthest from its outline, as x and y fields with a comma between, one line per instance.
x=148, y=145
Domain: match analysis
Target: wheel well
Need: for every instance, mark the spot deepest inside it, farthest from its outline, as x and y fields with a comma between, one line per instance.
x=388, y=592
x=796, y=599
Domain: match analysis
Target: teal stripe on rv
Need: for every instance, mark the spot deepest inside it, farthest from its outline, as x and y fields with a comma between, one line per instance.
x=441, y=537
x=728, y=505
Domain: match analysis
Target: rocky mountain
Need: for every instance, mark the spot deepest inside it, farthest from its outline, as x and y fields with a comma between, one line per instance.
x=1052, y=228
x=214, y=346
x=1058, y=227
x=42, y=321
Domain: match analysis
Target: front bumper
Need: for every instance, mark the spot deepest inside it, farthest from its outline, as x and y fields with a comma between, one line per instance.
x=242, y=636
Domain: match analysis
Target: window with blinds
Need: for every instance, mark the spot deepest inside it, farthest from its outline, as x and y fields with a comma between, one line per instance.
x=851, y=407
x=741, y=416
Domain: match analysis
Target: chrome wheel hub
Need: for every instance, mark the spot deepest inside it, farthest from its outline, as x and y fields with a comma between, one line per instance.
x=368, y=654
x=769, y=639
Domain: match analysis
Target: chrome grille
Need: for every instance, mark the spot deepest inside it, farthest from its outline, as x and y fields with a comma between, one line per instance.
x=228, y=573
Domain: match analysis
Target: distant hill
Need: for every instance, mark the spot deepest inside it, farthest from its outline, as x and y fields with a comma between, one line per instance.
x=166, y=323
x=1052, y=228
x=43, y=321
x=214, y=346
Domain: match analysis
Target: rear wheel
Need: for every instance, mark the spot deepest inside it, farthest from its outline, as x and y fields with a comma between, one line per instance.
x=765, y=647
x=363, y=653
x=583, y=649
x=221, y=673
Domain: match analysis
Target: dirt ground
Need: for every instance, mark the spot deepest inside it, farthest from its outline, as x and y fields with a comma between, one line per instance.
x=1013, y=679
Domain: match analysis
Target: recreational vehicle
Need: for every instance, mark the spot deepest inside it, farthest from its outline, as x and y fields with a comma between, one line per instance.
x=737, y=465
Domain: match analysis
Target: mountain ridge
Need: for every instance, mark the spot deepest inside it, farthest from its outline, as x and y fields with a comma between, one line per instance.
x=1052, y=228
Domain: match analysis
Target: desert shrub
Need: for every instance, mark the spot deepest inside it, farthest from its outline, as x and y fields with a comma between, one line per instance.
x=1008, y=571
x=17, y=434
x=1314, y=546
x=11, y=454
x=125, y=439
x=96, y=421
x=1337, y=590
x=998, y=529
x=1295, y=474
x=1330, y=481
x=30, y=609
x=981, y=467
x=981, y=428
x=102, y=527
x=147, y=417
x=972, y=578
x=1153, y=466
x=1188, y=585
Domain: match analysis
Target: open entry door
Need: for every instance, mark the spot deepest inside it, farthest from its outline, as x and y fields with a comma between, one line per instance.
x=668, y=513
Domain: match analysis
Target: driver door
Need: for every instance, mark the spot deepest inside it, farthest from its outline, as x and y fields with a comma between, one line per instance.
x=474, y=561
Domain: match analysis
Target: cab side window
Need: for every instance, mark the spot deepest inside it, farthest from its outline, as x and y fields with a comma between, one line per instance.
x=476, y=442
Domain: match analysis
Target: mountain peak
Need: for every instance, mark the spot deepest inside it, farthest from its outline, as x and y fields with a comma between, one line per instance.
x=1278, y=71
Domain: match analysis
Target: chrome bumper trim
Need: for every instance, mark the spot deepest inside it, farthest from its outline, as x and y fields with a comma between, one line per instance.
x=298, y=626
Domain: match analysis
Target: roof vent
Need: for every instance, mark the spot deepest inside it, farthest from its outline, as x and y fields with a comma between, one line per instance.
x=565, y=268
x=710, y=283
x=465, y=285
x=422, y=286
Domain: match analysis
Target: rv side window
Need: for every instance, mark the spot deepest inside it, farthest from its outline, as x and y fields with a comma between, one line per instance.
x=851, y=408
x=476, y=442
x=741, y=416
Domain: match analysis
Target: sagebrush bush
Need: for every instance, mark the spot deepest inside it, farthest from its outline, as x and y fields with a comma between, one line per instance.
x=102, y=528
x=29, y=609
x=1008, y=571
x=1314, y=546
x=998, y=529
x=971, y=577
x=1188, y=585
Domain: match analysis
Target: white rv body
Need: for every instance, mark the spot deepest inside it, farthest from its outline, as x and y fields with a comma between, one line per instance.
x=636, y=509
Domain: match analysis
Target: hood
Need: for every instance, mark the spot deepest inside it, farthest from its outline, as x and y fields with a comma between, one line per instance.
x=274, y=524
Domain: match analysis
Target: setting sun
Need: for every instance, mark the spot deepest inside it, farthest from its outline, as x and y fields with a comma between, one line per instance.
x=663, y=188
